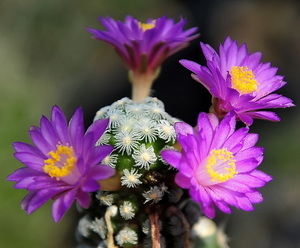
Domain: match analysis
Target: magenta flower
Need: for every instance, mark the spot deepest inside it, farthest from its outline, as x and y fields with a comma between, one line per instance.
x=63, y=165
x=218, y=164
x=144, y=46
x=238, y=81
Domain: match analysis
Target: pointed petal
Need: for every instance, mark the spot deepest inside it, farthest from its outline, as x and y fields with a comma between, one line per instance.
x=48, y=132
x=172, y=157
x=99, y=153
x=31, y=160
x=76, y=129
x=90, y=185
x=60, y=125
x=22, y=173
x=62, y=204
x=100, y=172
x=97, y=128
x=40, y=198
x=182, y=181
x=83, y=199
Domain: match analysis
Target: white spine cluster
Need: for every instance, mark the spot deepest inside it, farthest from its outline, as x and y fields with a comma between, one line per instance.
x=99, y=226
x=138, y=132
x=126, y=235
x=127, y=210
x=131, y=178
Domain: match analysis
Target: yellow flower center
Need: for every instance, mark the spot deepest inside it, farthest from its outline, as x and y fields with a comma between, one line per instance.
x=221, y=165
x=147, y=26
x=61, y=162
x=243, y=80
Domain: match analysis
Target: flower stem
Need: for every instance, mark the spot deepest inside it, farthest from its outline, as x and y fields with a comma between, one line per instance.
x=142, y=83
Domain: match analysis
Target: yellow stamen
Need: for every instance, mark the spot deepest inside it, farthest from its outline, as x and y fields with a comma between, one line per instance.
x=147, y=26
x=243, y=80
x=61, y=162
x=221, y=165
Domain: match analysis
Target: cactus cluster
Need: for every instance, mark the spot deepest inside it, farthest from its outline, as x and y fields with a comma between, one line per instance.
x=142, y=203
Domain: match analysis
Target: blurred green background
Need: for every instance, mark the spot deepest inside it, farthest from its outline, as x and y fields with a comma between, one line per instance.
x=48, y=58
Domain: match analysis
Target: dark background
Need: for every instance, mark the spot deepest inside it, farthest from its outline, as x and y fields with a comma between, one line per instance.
x=48, y=58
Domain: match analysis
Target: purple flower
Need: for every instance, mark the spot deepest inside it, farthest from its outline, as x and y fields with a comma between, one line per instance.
x=218, y=164
x=238, y=81
x=63, y=165
x=144, y=46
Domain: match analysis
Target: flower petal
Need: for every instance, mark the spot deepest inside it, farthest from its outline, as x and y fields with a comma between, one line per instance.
x=99, y=153
x=62, y=204
x=83, y=198
x=89, y=185
x=100, y=172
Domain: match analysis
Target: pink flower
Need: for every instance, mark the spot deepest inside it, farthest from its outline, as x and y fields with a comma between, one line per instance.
x=238, y=81
x=144, y=46
x=218, y=164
